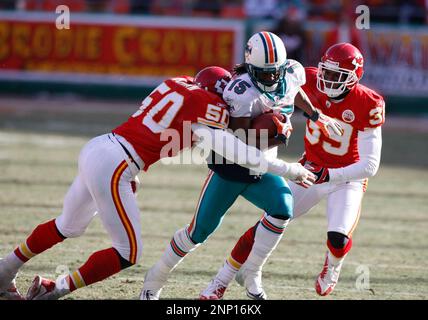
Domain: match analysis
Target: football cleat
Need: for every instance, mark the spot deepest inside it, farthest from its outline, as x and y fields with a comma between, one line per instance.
x=252, y=282
x=153, y=284
x=214, y=291
x=7, y=276
x=12, y=293
x=328, y=277
x=150, y=294
x=43, y=289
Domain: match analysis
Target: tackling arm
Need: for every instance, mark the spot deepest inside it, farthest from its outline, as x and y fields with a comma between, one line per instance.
x=233, y=149
x=369, y=148
x=244, y=123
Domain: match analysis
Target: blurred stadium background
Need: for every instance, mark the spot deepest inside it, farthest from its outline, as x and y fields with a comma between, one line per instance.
x=59, y=87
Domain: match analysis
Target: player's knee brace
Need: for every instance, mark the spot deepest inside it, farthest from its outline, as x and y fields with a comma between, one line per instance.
x=338, y=243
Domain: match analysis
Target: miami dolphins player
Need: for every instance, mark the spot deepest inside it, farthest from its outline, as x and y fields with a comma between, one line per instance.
x=266, y=82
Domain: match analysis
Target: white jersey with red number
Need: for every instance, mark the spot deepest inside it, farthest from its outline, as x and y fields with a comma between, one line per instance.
x=173, y=103
x=360, y=110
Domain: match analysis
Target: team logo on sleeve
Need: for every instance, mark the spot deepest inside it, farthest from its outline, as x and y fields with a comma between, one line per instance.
x=348, y=116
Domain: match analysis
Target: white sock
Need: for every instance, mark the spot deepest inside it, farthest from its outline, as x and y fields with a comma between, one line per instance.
x=174, y=253
x=62, y=286
x=13, y=263
x=268, y=234
x=335, y=260
x=178, y=248
x=228, y=271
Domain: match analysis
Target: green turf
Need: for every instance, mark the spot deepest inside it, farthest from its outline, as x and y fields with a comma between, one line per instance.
x=391, y=240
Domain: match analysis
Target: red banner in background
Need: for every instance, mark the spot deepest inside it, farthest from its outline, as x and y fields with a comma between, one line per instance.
x=125, y=49
x=395, y=58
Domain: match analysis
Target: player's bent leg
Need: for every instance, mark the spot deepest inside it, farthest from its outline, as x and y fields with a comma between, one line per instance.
x=267, y=236
x=156, y=277
x=274, y=196
x=343, y=211
x=42, y=238
x=108, y=180
x=303, y=199
x=78, y=210
x=110, y=185
x=77, y=213
x=216, y=288
x=100, y=265
x=216, y=197
x=338, y=246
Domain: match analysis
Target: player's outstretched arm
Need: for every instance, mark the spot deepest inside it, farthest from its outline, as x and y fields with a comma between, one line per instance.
x=302, y=101
x=369, y=149
x=324, y=122
x=234, y=150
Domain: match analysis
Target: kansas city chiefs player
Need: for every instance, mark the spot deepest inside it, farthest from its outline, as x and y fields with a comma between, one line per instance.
x=108, y=164
x=342, y=165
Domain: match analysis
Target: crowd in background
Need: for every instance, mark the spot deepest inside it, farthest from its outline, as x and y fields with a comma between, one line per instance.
x=394, y=11
x=288, y=16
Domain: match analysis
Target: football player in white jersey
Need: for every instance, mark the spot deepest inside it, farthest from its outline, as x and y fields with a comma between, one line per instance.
x=266, y=82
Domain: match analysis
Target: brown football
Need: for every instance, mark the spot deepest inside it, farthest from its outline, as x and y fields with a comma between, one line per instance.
x=264, y=121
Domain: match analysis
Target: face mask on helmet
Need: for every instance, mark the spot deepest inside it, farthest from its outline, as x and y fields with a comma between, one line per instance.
x=333, y=80
x=266, y=77
x=265, y=60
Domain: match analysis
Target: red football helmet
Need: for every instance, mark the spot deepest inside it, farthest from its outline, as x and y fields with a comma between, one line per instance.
x=340, y=69
x=213, y=79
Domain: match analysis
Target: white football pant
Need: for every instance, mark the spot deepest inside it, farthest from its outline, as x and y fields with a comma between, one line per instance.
x=103, y=186
x=343, y=202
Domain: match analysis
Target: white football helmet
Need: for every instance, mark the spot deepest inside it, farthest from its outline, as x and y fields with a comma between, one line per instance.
x=265, y=60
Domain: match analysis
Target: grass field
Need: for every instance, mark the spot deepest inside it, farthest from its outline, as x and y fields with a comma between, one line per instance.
x=38, y=161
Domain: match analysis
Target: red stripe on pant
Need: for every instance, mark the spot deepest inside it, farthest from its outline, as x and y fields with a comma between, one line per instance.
x=242, y=248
